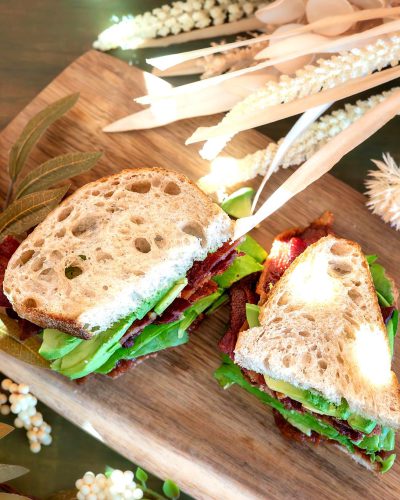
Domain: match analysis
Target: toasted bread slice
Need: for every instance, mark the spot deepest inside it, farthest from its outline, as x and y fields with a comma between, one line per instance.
x=322, y=329
x=110, y=247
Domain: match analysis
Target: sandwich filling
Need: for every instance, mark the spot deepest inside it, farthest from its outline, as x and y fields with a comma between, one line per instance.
x=306, y=415
x=164, y=321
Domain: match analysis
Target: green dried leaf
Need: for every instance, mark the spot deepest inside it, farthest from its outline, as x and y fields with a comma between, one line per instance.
x=56, y=170
x=34, y=129
x=10, y=343
x=8, y=472
x=5, y=429
x=24, y=209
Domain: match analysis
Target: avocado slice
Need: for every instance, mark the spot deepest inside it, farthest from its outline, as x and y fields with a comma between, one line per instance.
x=361, y=424
x=310, y=400
x=238, y=204
x=170, y=296
x=57, y=344
x=252, y=248
x=252, y=314
x=91, y=354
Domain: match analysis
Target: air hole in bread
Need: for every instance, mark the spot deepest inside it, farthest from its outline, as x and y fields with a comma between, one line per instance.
x=283, y=299
x=56, y=255
x=156, y=181
x=96, y=192
x=108, y=194
x=84, y=226
x=354, y=295
x=286, y=360
x=306, y=358
x=347, y=378
x=319, y=354
x=159, y=241
x=310, y=317
x=37, y=264
x=304, y=333
x=276, y=320
x=194, y=229
x=293, y=308
x=349, y=333
x=322, y=364
x=105, y=287
x=142, y=245
x=64, y=214
x=99, y=204
x=47, y=274
x=140, y=187
x=356, y=282
x=72, y=272
x=26, y=257
x=115, y=183
x=30, y=303
x=137, y=220
x=60, y=233
x=341, y=248
x=138, y=273
x=339, y=268
x=103, y=256
x=172, y=188
x=340, y=359
x=38, y=243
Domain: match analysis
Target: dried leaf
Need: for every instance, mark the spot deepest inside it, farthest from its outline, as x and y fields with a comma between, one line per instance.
x=10, y=343
x=28, y=221
x=5, y=429
x=321, y=9
x=56, y=170
x=12, y=496
x=28, y=205
x=281, y=12
x=8, y=472
x=34, y=129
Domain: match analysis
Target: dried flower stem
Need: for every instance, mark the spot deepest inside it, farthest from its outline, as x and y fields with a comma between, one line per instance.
x=314, y=138
x=328, y=73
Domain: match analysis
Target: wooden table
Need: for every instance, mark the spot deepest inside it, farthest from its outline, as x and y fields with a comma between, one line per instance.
x=37, y=40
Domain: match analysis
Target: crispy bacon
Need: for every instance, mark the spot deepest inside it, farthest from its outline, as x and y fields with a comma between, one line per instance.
x=387, y=313
x=214, y=264
x=286, y=247
x=173, y=312
x=290, y=432
x=240, y=293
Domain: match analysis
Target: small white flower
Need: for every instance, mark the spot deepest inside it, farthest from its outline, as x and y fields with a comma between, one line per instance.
x=383, y=191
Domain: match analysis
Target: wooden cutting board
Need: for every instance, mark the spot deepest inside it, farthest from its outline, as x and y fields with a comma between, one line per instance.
x=169, y=415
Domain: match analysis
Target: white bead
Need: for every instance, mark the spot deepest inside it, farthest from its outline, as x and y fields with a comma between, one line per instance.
x=137, y=494
x=15, y=408
x=3, y=399
x=78, y=484
x=32, y=436
x=85, y=489
x=91, y=497
x=18, y=423
x=35, y=447
x=101, y=480
x=13, y=387
x=80, y=496
x=37, y=419
x=46, y=439
x=128, y=476
x=46, y=427
x=5, y=409
x=89, y=477
x=23, y=388
x=117, y=476
x=6, y=384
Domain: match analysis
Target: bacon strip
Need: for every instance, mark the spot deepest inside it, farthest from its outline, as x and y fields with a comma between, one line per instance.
x=286, y=247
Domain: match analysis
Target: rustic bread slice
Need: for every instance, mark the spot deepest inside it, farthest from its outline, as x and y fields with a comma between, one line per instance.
x=111, y=246
x=322, y=329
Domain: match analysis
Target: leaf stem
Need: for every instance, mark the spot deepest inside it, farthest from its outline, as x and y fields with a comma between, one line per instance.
x=152, y=495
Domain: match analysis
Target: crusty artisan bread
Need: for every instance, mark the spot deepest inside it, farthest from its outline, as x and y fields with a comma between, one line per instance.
x=322, y=329
x=128, y=236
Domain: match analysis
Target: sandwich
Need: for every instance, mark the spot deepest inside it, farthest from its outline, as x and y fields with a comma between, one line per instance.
x=124, y=268
x=312, y=337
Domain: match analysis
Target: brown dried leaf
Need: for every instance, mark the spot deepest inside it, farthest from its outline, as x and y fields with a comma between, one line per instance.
x=5, y=429
x=56, y=170
x=34, y=129
x=24, y=209
x=8, y=472
x=12, y=496
x=63, y=495
x=10, y=343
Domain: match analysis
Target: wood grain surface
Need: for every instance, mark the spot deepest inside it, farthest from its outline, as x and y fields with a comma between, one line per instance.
x=169, y=414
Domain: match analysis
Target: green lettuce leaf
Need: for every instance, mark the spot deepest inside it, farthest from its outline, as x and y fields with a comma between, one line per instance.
x=240, y=267
x=391, y=329
x=229, y=373
x=382, y=284
x=250, y=247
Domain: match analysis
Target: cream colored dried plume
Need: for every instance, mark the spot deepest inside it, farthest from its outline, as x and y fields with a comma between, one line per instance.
x=179, y=17
x=383, y=191
x=226, y=173
x=328, y=73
